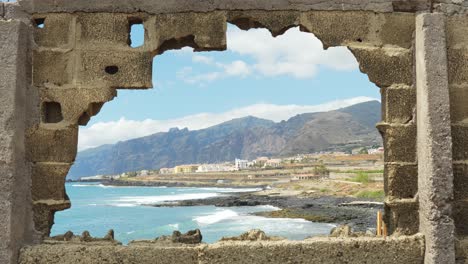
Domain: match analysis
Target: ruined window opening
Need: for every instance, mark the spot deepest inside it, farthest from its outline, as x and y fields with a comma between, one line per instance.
x=168, y=45
x=136, y=36
x=112, y=69
x=52, y=112
x=39, y=22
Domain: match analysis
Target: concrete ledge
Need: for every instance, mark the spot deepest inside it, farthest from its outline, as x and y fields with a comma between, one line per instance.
x=318, y=250
x=171, y=6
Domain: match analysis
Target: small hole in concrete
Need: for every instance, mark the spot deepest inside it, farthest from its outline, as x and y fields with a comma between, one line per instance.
x=51, y=112
x=111, y=70
x=136, y=36
x=359, y=40
x=39, y=22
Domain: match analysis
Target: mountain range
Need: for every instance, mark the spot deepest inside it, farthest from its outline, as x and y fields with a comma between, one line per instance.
x=246, y=138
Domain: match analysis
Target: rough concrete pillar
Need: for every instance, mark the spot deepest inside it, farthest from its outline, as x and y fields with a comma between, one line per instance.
x=435, y=180
x=15, y=200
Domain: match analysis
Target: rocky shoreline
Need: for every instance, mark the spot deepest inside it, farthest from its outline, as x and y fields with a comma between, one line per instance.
x=360, y=214
x=198, y=184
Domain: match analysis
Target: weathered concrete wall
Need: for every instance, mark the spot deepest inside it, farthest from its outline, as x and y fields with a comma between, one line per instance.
x=406, y=250
x=74, y=51
x=457, y=41
x=435, y=171
x=83, y=52
x=175, y=6
x=16, y=227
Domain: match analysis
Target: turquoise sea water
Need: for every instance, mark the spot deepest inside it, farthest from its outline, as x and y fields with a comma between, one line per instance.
x=98, y=208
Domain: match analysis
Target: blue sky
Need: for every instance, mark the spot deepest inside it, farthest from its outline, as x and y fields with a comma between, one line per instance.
x=272, y=78
x=176, y=95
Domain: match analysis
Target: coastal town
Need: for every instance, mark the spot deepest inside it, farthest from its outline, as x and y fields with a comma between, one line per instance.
x=359, y=157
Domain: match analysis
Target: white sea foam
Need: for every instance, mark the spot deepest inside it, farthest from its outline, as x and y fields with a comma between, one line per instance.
x=216, y=217
x=269, y=207
x=142, y=200
x=174, y=226
x=84, y=185
x=124, y=205
x=112, y=186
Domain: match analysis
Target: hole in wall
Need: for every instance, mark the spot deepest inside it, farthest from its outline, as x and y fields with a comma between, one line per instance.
x=51, y=112
x=39, y=22
x=136, y=34
x=111, y=69
x=239, y=79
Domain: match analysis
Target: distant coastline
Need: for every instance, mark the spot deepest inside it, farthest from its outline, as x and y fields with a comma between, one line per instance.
x=176, y=184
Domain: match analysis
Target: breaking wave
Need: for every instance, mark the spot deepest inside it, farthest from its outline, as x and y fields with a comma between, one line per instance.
x=216, y=217
x=146, y=200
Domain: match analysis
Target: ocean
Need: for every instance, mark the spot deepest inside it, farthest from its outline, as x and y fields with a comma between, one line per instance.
x=98, y=208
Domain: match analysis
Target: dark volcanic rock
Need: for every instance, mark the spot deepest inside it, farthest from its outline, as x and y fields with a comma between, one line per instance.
x=328, y=209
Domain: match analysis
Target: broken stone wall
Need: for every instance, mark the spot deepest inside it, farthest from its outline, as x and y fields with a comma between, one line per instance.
x=408, y=250
x=88, y=56
x=457, y=52
x=81, y=54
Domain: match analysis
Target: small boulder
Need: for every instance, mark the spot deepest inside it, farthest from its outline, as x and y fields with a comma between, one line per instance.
x=252, y=235
x=341, y=231
x=109, y=235
x=86, y=236
x=191, y=237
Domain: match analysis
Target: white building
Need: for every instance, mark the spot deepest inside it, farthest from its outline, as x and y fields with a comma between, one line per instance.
x=260, y=161
x=241, y=164
x=143, y=173
x=166, y=171
x=273, y=163
x=215, y=168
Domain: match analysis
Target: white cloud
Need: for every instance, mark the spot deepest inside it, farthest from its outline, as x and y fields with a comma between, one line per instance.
x=297, y=54
x=123, y=129
x=203, y=59
x=237, y=68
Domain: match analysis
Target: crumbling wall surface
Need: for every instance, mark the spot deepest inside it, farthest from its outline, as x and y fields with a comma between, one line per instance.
x=15, y=206
x=451, y=6
x=174, y=6
x=457, y=52
x=434, y=139
x=81, y=54
x=86, y=56
x=406, y=250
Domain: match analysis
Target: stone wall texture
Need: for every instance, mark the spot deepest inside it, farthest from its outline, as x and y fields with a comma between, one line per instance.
x=408, y=250
x=76, y=50
x=81, y=55
x=16, y=227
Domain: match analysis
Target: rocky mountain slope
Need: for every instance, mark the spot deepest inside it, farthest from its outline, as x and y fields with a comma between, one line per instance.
x=247, y=138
